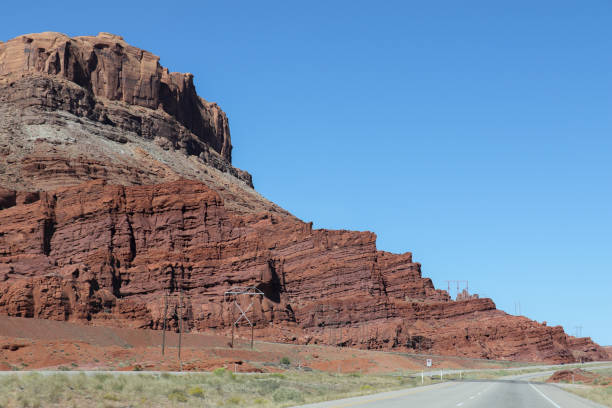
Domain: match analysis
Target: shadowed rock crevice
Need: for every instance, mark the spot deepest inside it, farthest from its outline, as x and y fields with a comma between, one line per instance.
x=48, y=223
x=8, y=198
x=47, y=231
x=270, y=282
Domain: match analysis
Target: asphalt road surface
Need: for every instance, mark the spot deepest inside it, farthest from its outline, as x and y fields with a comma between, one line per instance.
x=516, y=392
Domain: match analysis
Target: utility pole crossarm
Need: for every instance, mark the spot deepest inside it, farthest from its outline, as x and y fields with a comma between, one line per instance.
x=233, y=294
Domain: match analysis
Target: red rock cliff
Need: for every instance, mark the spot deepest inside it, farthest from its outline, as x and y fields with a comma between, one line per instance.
x=106, y=254
x=111, y=69
x=116, y=187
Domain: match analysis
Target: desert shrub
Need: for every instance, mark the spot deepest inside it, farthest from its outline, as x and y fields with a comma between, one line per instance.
x=110, y=397
x=266, y=387
x=285, y=361
x=196, y=392
x=136, y=385
x=285, y=394
x=28, y=401
x=234, y=400
x=224, y=373
x=79, y=381
x=8, y=381
x=118, y=383
x=177, y=395
x=54, y=395
x=405, y=380
x=102, y=377
x=219, y=372
x=50, y=388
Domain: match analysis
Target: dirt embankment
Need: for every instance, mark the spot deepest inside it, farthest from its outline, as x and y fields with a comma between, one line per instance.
x=28, y=344
x=578, y=375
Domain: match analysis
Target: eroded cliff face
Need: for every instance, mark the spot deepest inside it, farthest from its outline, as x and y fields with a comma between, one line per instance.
x=108, y=68
x=106, y=254
x=116, y=187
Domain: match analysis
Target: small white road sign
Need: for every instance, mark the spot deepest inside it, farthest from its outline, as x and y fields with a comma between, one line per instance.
x=429, y=362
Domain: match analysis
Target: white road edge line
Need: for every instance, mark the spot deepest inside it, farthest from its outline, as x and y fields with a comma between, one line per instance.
x=542, y=394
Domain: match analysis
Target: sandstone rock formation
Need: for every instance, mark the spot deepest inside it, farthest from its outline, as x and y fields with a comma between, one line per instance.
x=117, y=187
x=110, y=69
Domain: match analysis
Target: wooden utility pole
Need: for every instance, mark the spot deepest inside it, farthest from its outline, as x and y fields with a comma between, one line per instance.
x=233, y=324
x=339, y=339
x=234, y=293
x=180, y=327
x=164, y=327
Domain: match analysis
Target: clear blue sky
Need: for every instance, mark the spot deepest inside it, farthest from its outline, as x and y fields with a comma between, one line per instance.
x=475, y=134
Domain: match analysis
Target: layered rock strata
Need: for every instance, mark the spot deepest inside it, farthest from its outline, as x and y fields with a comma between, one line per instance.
x=106, y=254
x=60, y=96
x=116, y=187
x=105, y=67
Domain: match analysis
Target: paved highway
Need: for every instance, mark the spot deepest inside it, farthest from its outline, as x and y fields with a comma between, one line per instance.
x=515, y=392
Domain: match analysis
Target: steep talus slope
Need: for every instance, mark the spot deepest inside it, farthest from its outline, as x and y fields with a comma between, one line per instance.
x=117, y=187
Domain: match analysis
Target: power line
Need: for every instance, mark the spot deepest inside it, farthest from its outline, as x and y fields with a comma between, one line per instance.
x=451, y=284
x=577, y=331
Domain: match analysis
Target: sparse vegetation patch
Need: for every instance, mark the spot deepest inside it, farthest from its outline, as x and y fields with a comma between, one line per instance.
x=219, y=388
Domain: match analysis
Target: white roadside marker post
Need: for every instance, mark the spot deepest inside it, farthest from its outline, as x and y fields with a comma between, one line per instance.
x=422, y=377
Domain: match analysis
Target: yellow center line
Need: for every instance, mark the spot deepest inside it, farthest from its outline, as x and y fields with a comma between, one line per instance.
x=386, y=397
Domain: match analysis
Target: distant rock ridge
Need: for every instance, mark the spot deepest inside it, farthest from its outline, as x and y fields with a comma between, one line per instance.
x=109, y=69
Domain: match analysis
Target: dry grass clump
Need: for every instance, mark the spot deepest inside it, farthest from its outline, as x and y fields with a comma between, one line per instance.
x=604, y=372
x=220, y=388
x=602, y=395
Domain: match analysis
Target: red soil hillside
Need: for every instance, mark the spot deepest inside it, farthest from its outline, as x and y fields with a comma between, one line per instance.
x=116, y=186
x=47, y=344
x=577, y=375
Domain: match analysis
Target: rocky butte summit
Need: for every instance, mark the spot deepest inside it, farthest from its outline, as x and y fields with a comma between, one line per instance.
x=116, y=186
